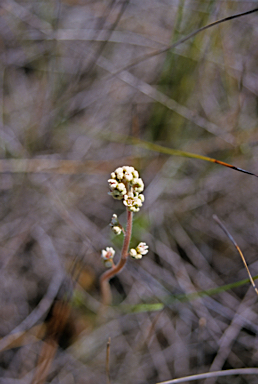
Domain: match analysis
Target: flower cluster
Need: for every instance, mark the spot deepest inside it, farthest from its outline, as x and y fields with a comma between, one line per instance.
x=107, y=256
x=125, y=184
x=141, y=249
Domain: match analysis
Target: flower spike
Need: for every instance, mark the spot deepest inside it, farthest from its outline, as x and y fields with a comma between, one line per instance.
x=125, y=184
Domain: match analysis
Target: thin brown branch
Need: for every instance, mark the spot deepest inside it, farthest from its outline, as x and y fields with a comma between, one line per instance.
x=107, y=360
x=185, y=38
x=215, y=217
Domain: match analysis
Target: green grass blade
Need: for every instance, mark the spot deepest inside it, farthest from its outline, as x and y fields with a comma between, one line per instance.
x=182, y=298
x=170, y=151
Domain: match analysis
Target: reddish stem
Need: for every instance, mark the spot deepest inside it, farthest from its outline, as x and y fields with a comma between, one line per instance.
x=104, y=279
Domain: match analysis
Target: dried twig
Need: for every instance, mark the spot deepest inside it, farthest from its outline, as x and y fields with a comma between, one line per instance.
x=185, y=38
x=107, y=361
x=229, y=372
x=215, y=217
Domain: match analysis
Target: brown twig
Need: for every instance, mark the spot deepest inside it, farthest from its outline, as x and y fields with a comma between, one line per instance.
x=183, y=39
x=215, y=217
x=107, y=360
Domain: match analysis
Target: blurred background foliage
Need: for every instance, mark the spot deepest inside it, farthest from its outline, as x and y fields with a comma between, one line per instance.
x=73, y=87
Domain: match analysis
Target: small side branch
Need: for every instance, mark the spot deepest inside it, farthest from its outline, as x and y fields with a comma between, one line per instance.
x=104, y=280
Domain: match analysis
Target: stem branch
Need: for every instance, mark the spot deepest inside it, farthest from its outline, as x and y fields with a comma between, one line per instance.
x=106, y=276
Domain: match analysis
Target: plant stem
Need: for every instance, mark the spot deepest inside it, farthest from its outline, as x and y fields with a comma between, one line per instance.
x=104, y=279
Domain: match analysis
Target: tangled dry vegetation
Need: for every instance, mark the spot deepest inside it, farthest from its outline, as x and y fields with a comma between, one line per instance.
x=69, y=98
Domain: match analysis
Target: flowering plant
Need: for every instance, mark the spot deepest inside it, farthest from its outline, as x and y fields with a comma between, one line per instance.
x=124, y=184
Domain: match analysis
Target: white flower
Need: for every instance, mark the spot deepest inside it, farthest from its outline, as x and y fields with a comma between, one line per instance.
x=107, y=256
x=142, y=248
x=129, y=201
x=132, y=202
x=108, y=253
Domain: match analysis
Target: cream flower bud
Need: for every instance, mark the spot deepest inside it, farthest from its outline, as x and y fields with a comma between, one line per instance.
x=127, y=168
x=117, y=230
x=133, y=253
x=116, y=194
x=113, y=175
x=137, y=202
x=121, y=188
x=114, y=220
x=128, y=176
x=133, y=181
x=112, y=183
x=115, y=225
x=119, y=173
x=141, y=197
x=138, y=185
